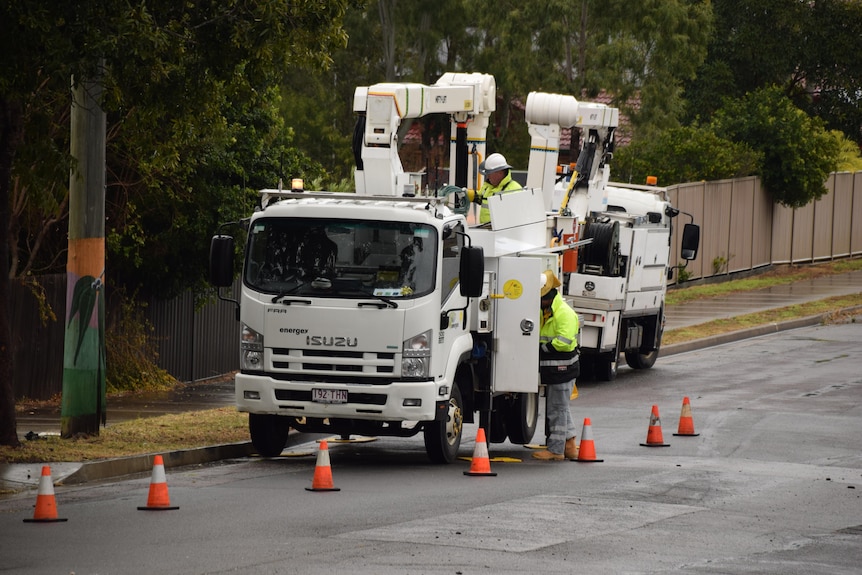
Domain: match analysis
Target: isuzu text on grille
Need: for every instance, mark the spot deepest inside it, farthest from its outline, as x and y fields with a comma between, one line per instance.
x=337, y=341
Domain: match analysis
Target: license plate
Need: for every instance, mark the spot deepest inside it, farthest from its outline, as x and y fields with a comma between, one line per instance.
x=329, y=395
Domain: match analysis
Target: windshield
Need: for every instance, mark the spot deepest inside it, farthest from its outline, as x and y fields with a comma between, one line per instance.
x=343, y=258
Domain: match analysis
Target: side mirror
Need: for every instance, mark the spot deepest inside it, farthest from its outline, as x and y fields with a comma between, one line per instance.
x=472, y=271
x=221, y=261
x=690, y=241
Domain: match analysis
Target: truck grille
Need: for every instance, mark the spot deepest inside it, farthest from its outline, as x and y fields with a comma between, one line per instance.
x=332, y=361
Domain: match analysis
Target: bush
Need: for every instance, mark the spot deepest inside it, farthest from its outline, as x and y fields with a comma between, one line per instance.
x=686, y=154
x=798, y=152
x=131, y=353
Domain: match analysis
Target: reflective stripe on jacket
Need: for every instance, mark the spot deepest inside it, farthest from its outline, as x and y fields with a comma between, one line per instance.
x=558, y=344
x=507, y=184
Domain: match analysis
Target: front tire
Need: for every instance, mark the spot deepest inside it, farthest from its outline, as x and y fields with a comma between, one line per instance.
x=268, y=433
x=522, y=418
x=443, y=437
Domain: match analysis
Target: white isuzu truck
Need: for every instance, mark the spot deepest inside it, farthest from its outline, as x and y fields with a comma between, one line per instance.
x=385, y=312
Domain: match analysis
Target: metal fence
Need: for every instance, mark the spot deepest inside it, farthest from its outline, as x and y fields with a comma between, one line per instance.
x=741, y=229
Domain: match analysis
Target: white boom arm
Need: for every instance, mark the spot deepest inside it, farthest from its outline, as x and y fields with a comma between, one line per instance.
x=546, y=115
x=469, y=99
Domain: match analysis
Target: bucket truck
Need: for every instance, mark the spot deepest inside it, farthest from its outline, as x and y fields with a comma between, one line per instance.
x=384, y=312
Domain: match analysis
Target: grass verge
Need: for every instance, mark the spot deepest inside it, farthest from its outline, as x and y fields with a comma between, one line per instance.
x=139, y=436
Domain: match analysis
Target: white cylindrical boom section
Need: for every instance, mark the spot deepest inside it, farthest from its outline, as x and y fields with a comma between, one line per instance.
x=543, y=108
x=545, y=115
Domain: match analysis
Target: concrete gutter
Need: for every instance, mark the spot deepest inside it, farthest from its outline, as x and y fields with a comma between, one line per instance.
x=110, y=468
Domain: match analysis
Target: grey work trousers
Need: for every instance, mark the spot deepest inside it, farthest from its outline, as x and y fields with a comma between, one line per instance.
x=561, y=425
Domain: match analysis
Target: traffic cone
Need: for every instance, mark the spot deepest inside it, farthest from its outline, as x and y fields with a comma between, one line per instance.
x=587, y=448
x=158, y=498
x=46, y=505
x=322, y=480
x=480, y=464
x=686, y=422
x=654, y=437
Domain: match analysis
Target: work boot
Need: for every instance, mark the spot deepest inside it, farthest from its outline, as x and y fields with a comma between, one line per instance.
x=546, y=455
x=571, y=449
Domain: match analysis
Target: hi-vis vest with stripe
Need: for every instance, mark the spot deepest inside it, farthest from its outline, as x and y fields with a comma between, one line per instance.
x=507, y=184
x=558, y=344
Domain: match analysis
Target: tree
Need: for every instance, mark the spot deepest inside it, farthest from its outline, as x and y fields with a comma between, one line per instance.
x=808, y=49
x=685, y=154
x=798, y=152
x=174, y=75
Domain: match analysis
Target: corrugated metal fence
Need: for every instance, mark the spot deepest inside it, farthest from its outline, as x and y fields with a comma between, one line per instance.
x=741, y=230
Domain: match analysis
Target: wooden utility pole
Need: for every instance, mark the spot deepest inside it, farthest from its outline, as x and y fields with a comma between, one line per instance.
x=83, y=403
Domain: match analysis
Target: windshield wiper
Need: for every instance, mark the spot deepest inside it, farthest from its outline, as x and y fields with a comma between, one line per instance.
x=287, y=292
x=386, y=300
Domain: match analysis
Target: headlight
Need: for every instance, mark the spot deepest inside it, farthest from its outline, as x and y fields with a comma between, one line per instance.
x=416, y=356
x=251, y=349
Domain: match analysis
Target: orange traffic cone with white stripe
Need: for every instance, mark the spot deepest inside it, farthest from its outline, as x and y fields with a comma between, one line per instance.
x=46, y=504
x=587, y=448
x=686, y=421
x=481, y=463
x=322, y=480
x=654, y=437
x=158, y=498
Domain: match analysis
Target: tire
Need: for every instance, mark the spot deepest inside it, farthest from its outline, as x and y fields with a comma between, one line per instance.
x=268, y=433
x=499, y=420
x=522, y=418
x=637, y=360
x=606, y=368
x=443, y=437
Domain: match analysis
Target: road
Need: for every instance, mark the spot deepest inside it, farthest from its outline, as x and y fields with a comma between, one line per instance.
x=772, y=484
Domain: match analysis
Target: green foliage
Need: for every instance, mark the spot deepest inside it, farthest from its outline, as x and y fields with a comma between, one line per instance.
x=849, y=156
x=645, y=52
x=683, y=276
x=809, y=49
x=193, y=122
x=798, y=152
x=687, y=154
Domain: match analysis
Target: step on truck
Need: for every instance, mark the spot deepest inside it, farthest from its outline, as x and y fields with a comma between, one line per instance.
x=387, y=312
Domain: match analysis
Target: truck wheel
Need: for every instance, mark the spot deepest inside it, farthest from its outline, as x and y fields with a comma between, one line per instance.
x=268, y=433
x=499, y=420
x=522, y=418
x=606, y=368
x=443, y=437
x=637, y=360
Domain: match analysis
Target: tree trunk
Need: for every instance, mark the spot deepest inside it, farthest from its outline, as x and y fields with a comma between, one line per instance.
x=10, y=136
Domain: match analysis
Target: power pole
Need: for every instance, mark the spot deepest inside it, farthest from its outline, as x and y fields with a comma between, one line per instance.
x=83, y=403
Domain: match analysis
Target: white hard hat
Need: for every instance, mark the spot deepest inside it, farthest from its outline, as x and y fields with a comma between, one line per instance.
x=493, y=163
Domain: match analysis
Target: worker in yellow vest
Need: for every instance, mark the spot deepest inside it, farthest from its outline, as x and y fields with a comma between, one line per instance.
x=558, y=369
x=498, y=179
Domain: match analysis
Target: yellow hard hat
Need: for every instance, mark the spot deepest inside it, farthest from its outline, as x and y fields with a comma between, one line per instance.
x=548, y=282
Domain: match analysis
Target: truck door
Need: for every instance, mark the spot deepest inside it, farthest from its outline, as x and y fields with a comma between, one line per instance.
x=516, y=325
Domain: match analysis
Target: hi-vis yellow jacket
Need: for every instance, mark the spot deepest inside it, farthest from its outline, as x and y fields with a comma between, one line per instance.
x=558, y=343
x=507, y=184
